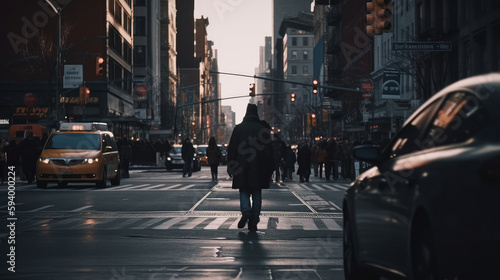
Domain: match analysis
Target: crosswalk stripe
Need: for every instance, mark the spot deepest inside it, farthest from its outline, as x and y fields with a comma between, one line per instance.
x=192, y=224
x=149, y=223
x=170, y=187
x=81, y=208
x=331, y=188
x=331, y=224
x=187, y=187
x=134, y=187
x=288, y=224
x=92, y=223
x=155, y=186
x=215, y=224
x=305, y=187
x=124, y=223
x=116, y=188
x=317, y=187
x=169, y=223
x=340, y=186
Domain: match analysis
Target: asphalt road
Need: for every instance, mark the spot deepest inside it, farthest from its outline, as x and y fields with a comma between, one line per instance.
x=158, y=225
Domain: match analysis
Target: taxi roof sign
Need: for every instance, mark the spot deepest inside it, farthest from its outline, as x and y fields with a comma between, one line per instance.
x=80, y=126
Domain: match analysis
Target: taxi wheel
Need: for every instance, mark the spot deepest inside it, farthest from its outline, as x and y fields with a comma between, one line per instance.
x=41, y=184
x=116, y=181
x=104, y=180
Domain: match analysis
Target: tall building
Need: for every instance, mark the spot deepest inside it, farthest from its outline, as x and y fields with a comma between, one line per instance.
x=264, y=86
x=298, y=43
x=29, y=60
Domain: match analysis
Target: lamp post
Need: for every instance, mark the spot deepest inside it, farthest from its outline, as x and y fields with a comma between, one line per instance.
x=58, y=11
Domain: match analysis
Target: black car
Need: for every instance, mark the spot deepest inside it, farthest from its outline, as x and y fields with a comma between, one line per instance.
x=174, y=159
x=428, y=208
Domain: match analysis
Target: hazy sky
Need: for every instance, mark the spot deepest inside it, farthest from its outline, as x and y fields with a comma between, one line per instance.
x=237, y=28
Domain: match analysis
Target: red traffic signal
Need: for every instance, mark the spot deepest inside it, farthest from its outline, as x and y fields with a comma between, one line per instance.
x=315, y=86
x=252, y=89
x=99, y=66
x=292, y=97
x=382, y=16
x=84, y=95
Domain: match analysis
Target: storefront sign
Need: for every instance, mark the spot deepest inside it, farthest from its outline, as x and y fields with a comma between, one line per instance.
x=391, y=88
x=39, y=112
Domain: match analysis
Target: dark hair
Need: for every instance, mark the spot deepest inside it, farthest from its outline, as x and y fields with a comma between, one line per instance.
x=212, y=142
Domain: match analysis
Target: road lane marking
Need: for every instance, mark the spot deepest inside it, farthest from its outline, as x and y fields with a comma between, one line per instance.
x=305, y=187
x=41, y=208
x=291, y=223
x=116, y=188
x=187, y=187
x=124, y=223
x=317, y=187
x=133, y=187
x=149, y=223
x=169, y=223
x=335, y=205
x=81, y=208
x=155, y=186
x=215, y=224
x=193, y=223
x=171, y=187
x=331, y=224
x=340, y=186
x=331, y=188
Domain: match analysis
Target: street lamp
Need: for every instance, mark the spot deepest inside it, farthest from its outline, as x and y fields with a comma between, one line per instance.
x=58, y=11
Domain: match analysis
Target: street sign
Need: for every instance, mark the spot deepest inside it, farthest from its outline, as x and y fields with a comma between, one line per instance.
x=367, y=85
x=73, y=76
x=422, y=46
x=30, y=99
x=141, y=90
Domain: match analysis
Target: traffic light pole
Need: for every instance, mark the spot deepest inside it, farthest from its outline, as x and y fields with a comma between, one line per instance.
x=288, y=82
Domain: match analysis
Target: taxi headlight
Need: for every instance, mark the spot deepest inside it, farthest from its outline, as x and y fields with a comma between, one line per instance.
x=90, y=160
x=169, y=158
x=44, y=160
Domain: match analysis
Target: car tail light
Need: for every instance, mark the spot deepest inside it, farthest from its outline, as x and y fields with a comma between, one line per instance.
x=490, y=171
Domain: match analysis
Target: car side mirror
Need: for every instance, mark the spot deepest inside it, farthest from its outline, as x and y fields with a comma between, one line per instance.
x=368, y=153
x=108, y=149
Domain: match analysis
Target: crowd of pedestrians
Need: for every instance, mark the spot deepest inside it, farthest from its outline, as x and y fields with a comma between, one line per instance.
x=22, y=155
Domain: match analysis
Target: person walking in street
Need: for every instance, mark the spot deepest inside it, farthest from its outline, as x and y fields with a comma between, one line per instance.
x=304, y=159
x=187, y=152
x=346, y=151
x=331, y=151
x=125, y=152
x=279, y=149
x=321, y=157
x=250, y=163
x=314, y=161
x=289, y=164
x=214, y=156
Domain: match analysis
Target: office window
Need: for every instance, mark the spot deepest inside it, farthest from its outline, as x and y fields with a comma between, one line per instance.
x=294, y=70
x=306, y=55
x=140, y=26
x=294, y=55
x=294, y=41
x=305, y=70
x=305, y=41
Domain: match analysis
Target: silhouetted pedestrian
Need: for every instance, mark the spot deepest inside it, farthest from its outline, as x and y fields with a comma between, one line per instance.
x=304, y=160
x=214, y=156
x=187, y=155
x=250, y=163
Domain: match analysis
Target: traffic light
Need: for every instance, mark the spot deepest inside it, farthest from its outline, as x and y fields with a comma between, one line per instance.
x=308, y=119
x=292, y=97
x=84, y=95
x=326, y=115
x=313, y=120
x=183, y=98
x=370, y=19
x=252, y=89
x=382, y=16
x=193, y=127
x=315, y=86
x=99, y=66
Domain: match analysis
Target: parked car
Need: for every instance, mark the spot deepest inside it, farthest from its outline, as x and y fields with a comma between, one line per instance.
x=174, y=159
x=428, y=208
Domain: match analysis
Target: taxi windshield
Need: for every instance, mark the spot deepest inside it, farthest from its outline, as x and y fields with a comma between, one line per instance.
x=72, y=141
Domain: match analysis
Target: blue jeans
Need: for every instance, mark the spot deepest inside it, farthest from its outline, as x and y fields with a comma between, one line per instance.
x=253, y=207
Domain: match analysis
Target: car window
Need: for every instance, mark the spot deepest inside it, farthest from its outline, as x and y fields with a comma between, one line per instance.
x=73, y=141
x=458, y=119
x=408, y=140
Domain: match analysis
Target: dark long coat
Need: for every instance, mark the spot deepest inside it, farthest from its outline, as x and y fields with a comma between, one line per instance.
x=249, y=154
x=304, y=160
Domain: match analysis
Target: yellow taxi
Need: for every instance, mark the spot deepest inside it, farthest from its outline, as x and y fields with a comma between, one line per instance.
x=78, y=153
